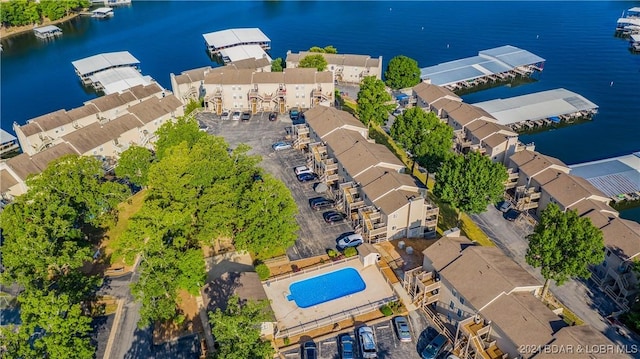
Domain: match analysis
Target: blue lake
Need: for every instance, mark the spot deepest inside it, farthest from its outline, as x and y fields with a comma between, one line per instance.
x=576, y=39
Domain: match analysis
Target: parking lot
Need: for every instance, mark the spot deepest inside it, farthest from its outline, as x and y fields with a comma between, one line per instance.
x=386, y=340
x=315, y=236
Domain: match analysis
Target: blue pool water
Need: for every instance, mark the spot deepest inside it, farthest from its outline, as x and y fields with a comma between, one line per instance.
x=323, y=288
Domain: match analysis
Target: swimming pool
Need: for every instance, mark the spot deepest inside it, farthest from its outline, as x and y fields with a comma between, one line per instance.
x=323, y=288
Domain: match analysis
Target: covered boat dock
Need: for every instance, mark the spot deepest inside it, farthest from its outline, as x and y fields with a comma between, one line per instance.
x=118, y=79
x=224, y=39
x=496, y=64
x=539, y=109
x=617, y=177
x=47, y=32
x=102, y=12
x=93, y=64
x=111, y=72
x=243, y=52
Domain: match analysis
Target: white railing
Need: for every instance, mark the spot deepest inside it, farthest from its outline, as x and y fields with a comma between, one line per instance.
x=334, y=318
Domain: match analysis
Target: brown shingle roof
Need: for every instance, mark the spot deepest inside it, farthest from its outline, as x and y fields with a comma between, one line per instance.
x=95, y=135
x=584, y=337
x=338, y=59
x=495, y=140
x=53, y=120
x=445, y=104
x=299, y=76
x=31, y=128
x=531, y=162
x=523, y=318
x=23, y=165
x=324, y=120
x=229, y=76
x=465, y=114
x=82, y=112
x=482, y=129
x=109, y=102
x=268, y=77
x=250, y=63
x=431, y=93
x=6, y=180
x=480, y=274
x=446, y=250
x=566, y=190
x=193, y=75
x=153, y=108
x=622, y=236
x=141, y=92
x=362, y=155
x=387, y=189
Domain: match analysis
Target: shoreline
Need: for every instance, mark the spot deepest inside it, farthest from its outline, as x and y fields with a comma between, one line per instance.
x=7, y=33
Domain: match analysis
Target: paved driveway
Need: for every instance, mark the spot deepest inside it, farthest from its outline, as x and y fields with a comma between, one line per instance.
x=389, y=347
x=315, y=236
x=581, y=297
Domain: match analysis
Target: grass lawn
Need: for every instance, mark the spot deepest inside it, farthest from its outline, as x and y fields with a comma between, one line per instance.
x=126, y=209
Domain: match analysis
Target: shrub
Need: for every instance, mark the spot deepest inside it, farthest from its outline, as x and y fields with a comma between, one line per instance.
x=386, y=310
x=350, y=252
x=263, y=271
x=286, y=341
x=332, y=253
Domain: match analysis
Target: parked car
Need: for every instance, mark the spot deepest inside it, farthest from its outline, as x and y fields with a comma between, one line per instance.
x=398, y=111
x=225, y=115
x=346, y=346
x=294, y=113
x=302, y=169
x=318, y=203
x=367, y=341
x=350, y=240
x=435, y=347
x=235, y=116
x=281, y=145
x=306, y=177
x=402, y=329
x=332, y=217
x=246, y=116
x=512, y=214
x=503, y=206
x=309, y=350
x=273, y=116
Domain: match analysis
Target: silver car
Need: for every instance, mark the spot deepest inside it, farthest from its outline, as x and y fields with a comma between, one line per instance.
x=282, y=145
x=402, y=329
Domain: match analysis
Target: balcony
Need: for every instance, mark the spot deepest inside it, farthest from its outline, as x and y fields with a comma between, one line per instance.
x=317, y=93
x=374, y=228
x=473, y=338
x=254, y=94
x=423, y=287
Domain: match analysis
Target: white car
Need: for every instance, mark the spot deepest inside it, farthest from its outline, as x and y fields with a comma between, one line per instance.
x=367, y=341
x=236, y=116
x=302, y=169
x=279, y=146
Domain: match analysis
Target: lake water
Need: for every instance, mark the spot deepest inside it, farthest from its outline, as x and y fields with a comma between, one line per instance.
x=575, y=38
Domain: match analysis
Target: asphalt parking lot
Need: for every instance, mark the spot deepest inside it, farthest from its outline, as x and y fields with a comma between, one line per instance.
x=315, y=236
x=386, y=340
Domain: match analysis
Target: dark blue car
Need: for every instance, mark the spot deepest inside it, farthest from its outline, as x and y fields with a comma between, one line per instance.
x=306, y=177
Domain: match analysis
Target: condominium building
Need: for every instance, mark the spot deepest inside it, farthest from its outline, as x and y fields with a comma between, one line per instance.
x=345, y=67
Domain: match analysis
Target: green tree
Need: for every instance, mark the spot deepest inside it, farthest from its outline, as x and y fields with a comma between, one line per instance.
x=374, y=102
x=402, y=72
x=314, y=61
x=329, y=49
x=237, y=330
x=277, y=65
x=267, y=224
x=192, y=106
x=470, y=182
x=428, y=139
x=134, y=165
x=564, y=245
x=172, y=133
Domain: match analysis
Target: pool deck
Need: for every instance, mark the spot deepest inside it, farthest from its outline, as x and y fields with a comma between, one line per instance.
x=292, y=319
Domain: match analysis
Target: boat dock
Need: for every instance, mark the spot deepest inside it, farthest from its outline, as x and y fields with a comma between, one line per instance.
x=238, y=44
x=102, y=12
x=111, y=2
x=47, y=32
x=498, y=65
x=617, y=177
x=111, y=72
x=8, y=143
x=629, y=23
x=634, y=43
x=540, y=109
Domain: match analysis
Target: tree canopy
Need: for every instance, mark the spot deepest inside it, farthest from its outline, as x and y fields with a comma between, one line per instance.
x=470, y=182
x=428, y=139
x=329, y=49
x=374, y=102
x=564, y=245
x=237, y=330
x=277, y=65
x=134, y=165
x=402, y=72
x=28, y=12
x=172, y=133
x=314, y=61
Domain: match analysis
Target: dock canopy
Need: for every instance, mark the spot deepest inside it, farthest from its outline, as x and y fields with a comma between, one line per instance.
x=537, y=106
x=488, y=62
x=102, y=11
x=6, y=137
x=232, y=37
x=612, y=176
x=119, y=79
x=47, y=29
x=243, y=52
x=93, y=64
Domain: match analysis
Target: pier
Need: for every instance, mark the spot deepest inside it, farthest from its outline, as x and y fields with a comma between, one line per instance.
x=634, y=43
x=617, y=177
x=629, y=23
x=238, y=44
x=47, y=32
x=496, y=65
x=540, y=109
x=111, y=72
x=102, y=12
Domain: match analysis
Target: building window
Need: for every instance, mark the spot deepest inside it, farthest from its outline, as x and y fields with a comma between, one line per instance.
x=393, y=228
x=461, y=300
x=453, y=292
x=608, y=252
x=452, y=305
x=459, y=313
